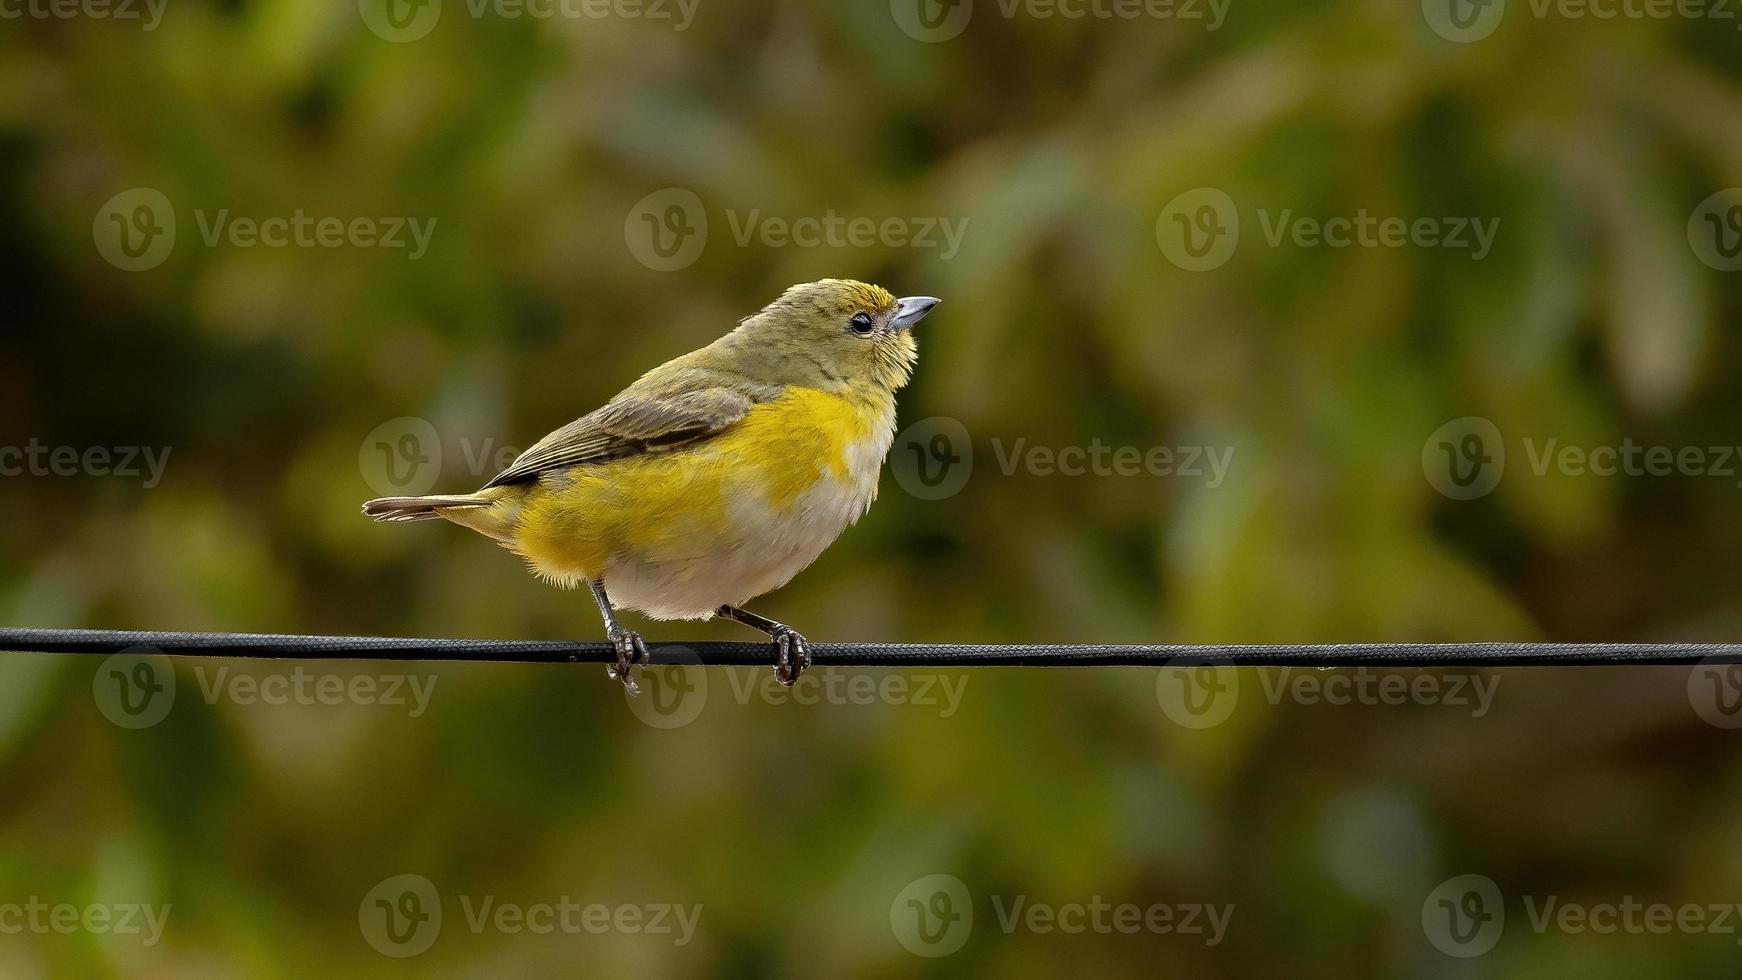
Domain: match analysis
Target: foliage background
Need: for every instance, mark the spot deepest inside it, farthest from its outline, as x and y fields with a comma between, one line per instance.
x=1060, y=141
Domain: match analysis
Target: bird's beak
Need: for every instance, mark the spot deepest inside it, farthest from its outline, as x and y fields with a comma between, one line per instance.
x=909, y=310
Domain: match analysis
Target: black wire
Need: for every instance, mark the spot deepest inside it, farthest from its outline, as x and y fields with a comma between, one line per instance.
x=279, y=646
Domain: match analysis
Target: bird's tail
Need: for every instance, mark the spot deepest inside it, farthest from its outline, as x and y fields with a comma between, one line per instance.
x=392, y=510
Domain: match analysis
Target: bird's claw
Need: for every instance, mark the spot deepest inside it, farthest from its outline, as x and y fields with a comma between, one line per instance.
x=631, y=651
x=792, y=655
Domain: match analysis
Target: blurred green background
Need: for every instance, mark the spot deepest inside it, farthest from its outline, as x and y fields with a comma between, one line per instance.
x=541, y=148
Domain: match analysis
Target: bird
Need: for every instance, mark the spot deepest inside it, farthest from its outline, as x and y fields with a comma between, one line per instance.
x=716, y=477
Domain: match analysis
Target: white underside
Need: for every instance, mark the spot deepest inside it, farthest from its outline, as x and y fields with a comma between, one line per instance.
x=761, y=550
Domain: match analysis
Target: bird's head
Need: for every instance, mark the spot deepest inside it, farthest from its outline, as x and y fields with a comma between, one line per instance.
x=835, y=334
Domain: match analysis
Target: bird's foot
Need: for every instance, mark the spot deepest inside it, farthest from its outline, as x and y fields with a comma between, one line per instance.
x=792, y=655
x=631, y=651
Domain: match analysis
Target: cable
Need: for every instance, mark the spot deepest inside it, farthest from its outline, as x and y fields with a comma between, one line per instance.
x=281, y=646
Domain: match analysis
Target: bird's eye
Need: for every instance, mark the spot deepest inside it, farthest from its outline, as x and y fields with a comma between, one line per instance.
x=861, y=324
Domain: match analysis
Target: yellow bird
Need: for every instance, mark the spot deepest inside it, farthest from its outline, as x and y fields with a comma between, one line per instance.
x=717, y=476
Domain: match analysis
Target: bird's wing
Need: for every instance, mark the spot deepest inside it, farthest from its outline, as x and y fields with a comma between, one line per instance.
x=631, y=424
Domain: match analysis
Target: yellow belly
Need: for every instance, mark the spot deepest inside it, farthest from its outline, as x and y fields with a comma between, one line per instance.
x=678, y=533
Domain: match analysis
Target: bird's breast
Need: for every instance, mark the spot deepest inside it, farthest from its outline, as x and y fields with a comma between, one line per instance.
x=677, y=534
x=809, y=441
